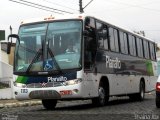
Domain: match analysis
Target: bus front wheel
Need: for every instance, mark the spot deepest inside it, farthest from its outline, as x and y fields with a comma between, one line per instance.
x=49, y=104
x=103, y=96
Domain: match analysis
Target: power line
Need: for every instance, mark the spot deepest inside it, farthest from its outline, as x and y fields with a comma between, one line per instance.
x=138, y=6
x=42, y=7
x=45, y=6
x=34, y=6
x=152, y=30
x=58, y=4
x=128, y=6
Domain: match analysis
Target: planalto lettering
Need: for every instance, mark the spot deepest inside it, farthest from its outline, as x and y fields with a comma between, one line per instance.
x=57, y=79
x=113, y=63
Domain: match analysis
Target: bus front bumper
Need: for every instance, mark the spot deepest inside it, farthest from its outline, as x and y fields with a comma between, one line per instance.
x=61, y=92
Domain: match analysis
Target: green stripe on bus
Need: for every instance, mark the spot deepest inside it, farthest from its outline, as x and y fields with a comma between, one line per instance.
x=149, y=67
x=21, y=79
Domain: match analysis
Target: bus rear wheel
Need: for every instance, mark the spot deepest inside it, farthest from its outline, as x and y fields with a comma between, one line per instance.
x=49, y=104
x=103, y=96
x=141, y=95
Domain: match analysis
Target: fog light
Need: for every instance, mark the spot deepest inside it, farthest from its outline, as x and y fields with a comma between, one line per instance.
x=16, y=93
x=76, y=90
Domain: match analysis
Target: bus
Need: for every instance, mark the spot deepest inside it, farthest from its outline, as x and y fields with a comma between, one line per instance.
x=80, y=57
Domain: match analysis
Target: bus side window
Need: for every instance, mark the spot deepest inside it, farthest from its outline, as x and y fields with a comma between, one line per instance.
x=152, y=51
x=90, y=43
x=102, y=35
x=123, y=42
x=146, y=49
x=139, y=47
x=132, y=44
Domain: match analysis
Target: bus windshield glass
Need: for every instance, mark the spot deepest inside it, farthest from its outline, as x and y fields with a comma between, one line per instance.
x=49, y=47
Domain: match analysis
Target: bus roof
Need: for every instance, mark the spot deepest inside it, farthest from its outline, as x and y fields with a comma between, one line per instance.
x=52, y=18
x=77, y=16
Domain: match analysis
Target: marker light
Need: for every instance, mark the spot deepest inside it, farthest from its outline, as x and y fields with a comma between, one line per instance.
x=49, y=18
x=80, y=17
x=66, y=92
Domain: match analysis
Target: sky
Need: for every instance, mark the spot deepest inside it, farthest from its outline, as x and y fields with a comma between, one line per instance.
x=133, y=15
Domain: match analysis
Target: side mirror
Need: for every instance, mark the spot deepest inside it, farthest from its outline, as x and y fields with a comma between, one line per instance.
x=9, y=44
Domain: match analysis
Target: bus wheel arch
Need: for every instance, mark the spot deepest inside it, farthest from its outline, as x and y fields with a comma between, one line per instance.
x=103, y=93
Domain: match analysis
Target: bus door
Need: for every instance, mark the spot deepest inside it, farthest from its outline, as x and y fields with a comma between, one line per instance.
x=89, y=55
x=90, y=46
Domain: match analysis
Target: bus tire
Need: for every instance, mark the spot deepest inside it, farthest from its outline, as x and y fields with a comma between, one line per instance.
x=49, y=104
x=158, y=101
x=141, y=94
x=103, y=96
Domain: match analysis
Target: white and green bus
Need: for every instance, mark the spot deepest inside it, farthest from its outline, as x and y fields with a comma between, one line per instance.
x=80, y=57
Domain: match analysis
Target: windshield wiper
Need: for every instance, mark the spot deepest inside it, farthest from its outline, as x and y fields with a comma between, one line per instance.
x=53, y=58
x=36, y=57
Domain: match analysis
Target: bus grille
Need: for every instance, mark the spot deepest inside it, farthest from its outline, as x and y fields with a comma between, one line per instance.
x=44, y=94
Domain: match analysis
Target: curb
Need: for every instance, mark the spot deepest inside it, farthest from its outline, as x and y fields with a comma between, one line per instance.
x=20, y=104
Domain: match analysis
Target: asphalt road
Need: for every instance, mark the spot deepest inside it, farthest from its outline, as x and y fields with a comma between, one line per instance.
x=117, y=109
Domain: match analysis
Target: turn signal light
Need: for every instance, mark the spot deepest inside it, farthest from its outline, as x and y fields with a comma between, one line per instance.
x=66, y=92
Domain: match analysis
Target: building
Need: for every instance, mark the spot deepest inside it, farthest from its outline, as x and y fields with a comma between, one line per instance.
x=6, y=69
x=7, y=58
x=6, y=61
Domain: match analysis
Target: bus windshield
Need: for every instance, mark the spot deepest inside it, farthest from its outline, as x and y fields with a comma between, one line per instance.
x=49, y=47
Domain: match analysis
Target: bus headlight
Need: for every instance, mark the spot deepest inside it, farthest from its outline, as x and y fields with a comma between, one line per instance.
x=72, y=82
x=21, y=85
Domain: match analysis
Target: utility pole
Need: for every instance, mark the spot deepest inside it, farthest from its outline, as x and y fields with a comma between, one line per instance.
x=81, y=9
x=80, y=6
